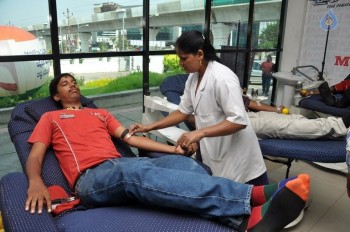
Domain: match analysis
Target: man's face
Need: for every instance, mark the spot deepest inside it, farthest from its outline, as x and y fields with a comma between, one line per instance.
x=67, y=90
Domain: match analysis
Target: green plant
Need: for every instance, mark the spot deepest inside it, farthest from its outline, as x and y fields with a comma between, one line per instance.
x=171, y=63
x=103, y=46
x=81, y=81
x=269, y=36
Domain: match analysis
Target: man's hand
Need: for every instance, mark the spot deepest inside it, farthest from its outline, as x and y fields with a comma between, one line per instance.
x=136, y=128
x=37, y=196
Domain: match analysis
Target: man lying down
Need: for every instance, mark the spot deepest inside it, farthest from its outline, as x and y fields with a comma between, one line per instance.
x=268, y=122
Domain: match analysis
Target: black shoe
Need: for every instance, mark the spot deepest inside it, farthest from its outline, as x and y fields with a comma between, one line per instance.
x=345, y=101
x=346, y=120
x=326, y=94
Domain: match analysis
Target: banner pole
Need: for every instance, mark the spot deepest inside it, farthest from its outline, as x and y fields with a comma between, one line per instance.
x=324, y=55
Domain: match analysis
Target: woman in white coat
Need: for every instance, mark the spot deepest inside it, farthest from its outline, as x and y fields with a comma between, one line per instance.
x=228, y=144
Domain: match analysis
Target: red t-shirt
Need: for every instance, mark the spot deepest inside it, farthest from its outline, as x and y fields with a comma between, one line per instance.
x=342, y=86
x=80, y=138
x=266, y=67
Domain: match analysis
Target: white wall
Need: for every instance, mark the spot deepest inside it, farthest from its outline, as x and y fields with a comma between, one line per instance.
x=293, y=36
x=306, y=35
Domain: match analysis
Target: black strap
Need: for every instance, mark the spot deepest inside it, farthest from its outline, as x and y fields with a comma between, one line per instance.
x=125, y=132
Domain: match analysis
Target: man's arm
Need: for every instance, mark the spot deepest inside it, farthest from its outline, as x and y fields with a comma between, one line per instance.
x=258, y=106
x=146, y=143
x=37, y=193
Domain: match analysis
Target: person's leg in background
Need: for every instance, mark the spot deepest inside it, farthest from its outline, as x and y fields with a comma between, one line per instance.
x=326, y=94
x=263, y=83
x=296, y=126
x=344, y=101
x=267, y=84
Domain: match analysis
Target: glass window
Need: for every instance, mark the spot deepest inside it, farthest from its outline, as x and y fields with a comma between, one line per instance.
x=105, y=75
x=21, y=15
x=88, y=26
x=90, y=30
x=162, y=66
x=21, y=81
x=264, y=37
x=229, y=20
x=169, y=18
x=24, y=30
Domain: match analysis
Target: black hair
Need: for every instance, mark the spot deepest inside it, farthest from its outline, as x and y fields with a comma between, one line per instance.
x=54, y=83
x=191, y=41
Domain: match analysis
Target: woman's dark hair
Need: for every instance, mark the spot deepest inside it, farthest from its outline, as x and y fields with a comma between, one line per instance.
x=191, y=41
x=54, y=83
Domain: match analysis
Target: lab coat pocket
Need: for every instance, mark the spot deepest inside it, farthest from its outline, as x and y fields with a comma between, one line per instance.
x=205, y=120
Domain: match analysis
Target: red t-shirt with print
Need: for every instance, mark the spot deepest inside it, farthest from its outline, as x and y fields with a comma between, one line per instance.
x=80, y=138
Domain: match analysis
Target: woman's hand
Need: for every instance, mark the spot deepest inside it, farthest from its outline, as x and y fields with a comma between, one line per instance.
x=137, y=128
x=188, y=138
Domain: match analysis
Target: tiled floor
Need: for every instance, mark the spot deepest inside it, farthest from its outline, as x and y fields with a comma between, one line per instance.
x=329, y=208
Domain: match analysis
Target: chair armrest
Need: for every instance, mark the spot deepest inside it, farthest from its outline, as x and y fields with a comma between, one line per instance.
x=13, y=192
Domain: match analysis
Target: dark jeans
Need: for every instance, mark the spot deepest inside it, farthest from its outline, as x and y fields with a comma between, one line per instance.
x=266, y=82
x=169, y=181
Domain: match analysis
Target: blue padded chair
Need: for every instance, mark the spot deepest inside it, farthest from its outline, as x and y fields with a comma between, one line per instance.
x=173, y=87
x=323, y=151
x=128, y=217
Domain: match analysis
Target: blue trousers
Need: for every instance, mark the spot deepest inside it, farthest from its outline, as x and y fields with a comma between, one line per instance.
x=170, y=181
x=266, y=82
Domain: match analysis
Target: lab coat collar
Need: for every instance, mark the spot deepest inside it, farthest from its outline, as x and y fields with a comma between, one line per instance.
x=202, y=85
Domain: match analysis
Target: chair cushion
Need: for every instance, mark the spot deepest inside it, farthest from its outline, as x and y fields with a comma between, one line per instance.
x=135, y=217
x=173, y=86
x=324, y=151
x=315, y=103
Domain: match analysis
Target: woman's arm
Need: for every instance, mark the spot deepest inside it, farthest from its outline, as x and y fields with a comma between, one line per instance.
x=221, y=129
x=172, y=119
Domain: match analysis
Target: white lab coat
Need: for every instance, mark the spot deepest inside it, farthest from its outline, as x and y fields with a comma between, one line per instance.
x=236, y=156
